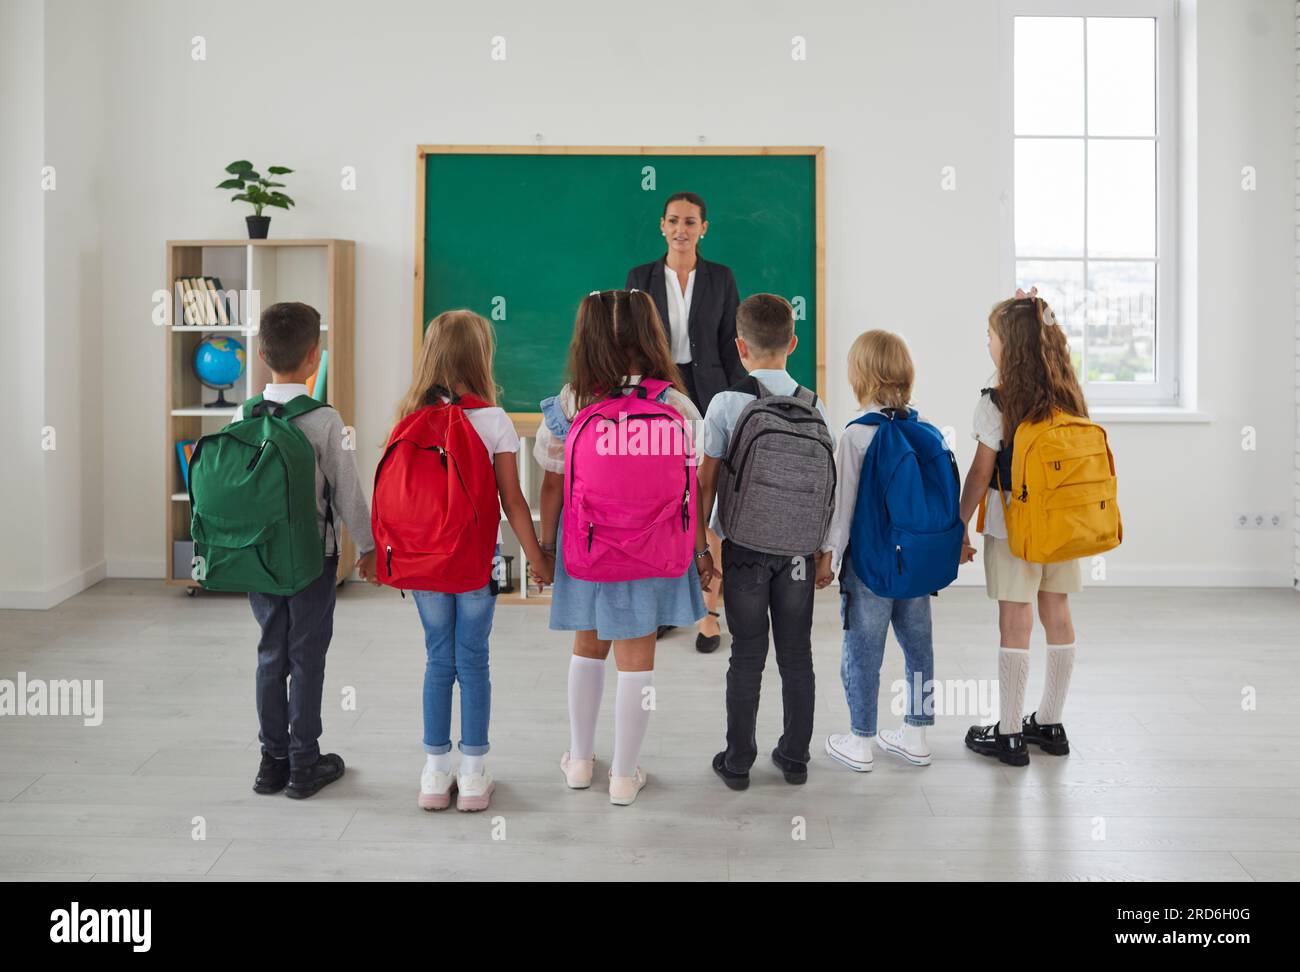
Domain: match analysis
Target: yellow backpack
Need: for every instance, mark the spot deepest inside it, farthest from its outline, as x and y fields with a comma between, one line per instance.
x=1063, y=492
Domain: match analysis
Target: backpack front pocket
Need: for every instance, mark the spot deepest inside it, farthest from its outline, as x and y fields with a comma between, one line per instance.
x=239, y=555
x=1077, y=521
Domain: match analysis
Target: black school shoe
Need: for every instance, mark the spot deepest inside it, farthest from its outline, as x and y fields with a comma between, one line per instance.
x=707, y=644
x=987, y=741
x=736, y=781
x=795, y=773
x=309, y=780
x=272, y=775
x=1050, y=738
x=663, y=629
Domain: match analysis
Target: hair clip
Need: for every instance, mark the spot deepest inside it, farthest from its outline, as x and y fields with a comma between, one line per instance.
x=634, y=291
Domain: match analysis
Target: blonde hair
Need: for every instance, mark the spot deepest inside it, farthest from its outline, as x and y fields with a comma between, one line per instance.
x=881, y=370
x=458, y=347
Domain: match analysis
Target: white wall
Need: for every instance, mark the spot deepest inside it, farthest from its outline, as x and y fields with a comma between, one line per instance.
x=894, y=90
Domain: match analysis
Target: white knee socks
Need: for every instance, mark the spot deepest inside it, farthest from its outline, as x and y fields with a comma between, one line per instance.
x=631, y=718
x=1060, y=665
x=1013, y=675
x=586, y=685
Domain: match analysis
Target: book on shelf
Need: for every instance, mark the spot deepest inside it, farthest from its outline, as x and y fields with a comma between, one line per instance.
x=203, y=301
x=185, y=450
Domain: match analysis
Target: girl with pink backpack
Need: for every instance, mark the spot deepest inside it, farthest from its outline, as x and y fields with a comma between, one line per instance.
x=618, y=515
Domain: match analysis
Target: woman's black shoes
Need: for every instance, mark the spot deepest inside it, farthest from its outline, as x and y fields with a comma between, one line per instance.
x=987, y=741
x=663, y=629
x=1050, y=738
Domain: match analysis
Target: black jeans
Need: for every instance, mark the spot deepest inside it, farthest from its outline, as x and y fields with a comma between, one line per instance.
x=296, y=632
x=754, y=584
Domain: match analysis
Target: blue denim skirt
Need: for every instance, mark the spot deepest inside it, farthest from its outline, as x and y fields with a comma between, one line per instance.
x=618, y=610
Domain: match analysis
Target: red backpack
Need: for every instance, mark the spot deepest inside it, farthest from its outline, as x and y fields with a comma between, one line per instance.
x=435, y=511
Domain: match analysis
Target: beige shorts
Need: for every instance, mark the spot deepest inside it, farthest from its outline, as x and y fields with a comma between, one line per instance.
x=1008, y=578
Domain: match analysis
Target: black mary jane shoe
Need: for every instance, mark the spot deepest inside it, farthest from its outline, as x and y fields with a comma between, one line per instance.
x=987, y=741
x=1049, y=737
x=707, y=644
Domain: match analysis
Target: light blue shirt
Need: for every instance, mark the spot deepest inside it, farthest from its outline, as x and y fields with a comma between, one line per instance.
x=725, y=408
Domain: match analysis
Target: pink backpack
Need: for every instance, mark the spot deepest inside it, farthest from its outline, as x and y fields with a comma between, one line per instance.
x=629, y=482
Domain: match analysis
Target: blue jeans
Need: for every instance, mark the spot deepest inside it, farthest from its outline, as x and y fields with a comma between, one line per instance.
x=456, y=630
x=866, y=620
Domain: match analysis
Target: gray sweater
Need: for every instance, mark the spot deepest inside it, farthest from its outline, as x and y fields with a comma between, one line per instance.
x=335, y=465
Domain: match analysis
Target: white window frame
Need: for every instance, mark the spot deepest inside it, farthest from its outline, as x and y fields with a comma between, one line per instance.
x=1166, y=390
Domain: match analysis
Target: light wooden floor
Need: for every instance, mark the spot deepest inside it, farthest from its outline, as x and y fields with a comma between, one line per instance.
x=1185, y=783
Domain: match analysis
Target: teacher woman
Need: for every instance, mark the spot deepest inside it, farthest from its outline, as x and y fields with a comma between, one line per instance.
x=696, y=300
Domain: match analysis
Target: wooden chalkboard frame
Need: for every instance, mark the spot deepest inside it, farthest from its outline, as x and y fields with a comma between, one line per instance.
x=526, y=422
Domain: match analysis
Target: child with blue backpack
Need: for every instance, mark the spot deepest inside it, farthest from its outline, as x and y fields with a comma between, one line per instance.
x=896, y=537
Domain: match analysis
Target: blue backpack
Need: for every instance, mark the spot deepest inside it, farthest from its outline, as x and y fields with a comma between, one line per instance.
x=906, y=536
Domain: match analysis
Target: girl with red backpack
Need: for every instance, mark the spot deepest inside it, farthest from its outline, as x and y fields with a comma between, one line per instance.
x=447, y=473
x=630, y=553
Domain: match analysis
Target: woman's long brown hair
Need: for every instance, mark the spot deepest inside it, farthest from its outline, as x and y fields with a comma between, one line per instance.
x=1035, y=373
x=617, y=333
x=458, y=347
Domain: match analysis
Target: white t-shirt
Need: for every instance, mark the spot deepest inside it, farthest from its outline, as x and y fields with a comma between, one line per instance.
x=987, y=428
x=679, y=314
x=498, y=434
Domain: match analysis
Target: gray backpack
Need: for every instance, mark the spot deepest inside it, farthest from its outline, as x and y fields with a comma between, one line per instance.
x=776, y=491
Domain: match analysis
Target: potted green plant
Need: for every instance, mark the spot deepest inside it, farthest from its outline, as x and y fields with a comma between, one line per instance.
x=257, y=190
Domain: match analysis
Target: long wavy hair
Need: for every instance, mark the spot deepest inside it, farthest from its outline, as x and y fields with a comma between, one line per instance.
x=617, y=333
x=1035, y=374
x=458, y=348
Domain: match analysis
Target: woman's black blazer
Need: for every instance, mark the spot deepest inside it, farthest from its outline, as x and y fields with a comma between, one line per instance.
x=715, y=363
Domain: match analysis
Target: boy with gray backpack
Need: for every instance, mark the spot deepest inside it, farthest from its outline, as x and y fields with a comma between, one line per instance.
x=769, y=458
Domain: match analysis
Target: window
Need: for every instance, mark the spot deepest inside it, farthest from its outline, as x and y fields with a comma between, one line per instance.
x=1094, y=153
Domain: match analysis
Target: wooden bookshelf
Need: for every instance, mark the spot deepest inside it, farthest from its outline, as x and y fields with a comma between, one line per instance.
x=318, y=272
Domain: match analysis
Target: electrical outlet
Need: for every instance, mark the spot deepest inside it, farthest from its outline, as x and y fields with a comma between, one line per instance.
x=1272, y=520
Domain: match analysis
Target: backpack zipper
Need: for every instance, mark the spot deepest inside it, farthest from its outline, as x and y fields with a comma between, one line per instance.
x=898, y=554
x=252, y=463
x=591, y=529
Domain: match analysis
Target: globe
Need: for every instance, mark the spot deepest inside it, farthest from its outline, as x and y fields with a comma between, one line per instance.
x=218, y=362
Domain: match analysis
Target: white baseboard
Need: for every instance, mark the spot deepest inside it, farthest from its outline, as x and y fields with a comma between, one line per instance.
x=43, y=600
x=138, y=569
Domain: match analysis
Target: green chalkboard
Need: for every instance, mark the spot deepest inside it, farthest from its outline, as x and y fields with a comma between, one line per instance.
x=522, y=236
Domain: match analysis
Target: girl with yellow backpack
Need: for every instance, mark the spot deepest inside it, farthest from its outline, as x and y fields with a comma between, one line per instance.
x=1043, y=480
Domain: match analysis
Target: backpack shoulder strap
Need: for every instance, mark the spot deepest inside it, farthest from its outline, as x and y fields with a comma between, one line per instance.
x=246, y=410
x=655, y=388
x=868, y=418
x=805, y=395
x=749, y=385
x=471, y=401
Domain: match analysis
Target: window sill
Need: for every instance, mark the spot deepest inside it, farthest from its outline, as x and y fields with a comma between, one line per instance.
x=1149, y=414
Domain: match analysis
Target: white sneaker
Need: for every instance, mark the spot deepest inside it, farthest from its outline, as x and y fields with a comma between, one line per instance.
x=474, y=792
x=908, y=742
x=623, y=789
x=577, y=772
x=435, y=789
x=853, y=751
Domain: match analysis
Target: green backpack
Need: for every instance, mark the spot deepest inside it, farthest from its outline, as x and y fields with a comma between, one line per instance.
x=253, y=503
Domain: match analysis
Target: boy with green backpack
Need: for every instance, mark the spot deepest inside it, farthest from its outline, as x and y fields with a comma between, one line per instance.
x=264, y=494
